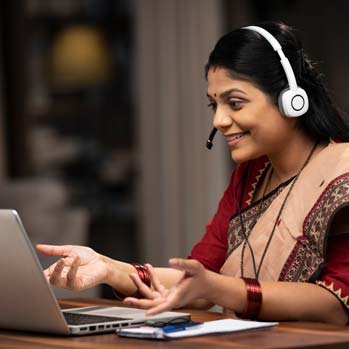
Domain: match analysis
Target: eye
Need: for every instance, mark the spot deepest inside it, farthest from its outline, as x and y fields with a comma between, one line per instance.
x=235, y=104
x=212, y=106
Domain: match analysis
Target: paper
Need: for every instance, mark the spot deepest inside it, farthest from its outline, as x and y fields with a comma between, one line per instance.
x=218, y=326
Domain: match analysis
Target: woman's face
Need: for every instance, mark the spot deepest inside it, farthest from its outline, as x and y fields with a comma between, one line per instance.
x=250, y=122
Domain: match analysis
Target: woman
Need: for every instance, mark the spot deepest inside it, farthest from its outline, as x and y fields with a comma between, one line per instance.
x=276, y=248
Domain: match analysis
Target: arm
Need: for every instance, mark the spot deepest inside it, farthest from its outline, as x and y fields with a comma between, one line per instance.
x=281, y=300
x=303, y=301
x=118, y=276
x=91, y=268
x=81, y=268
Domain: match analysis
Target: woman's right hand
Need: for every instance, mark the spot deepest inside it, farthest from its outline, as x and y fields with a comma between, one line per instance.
x=78, y=268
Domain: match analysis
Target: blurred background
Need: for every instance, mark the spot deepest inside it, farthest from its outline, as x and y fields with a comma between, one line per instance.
x=104, y=119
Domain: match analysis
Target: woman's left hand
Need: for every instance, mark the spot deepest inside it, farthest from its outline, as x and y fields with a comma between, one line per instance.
x=192, y=286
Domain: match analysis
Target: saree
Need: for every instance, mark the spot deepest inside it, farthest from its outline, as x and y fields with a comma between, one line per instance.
x=301, y=248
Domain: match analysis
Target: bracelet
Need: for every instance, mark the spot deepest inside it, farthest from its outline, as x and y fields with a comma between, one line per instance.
x=143, y=275
x=254, y=298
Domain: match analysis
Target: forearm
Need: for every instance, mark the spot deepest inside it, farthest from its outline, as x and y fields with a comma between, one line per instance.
x=281, y=300
x=118, y=276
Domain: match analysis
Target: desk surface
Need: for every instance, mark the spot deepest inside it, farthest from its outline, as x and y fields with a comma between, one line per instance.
x=286, y=335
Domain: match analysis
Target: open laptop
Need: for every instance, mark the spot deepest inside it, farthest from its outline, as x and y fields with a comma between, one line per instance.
x=28, y=303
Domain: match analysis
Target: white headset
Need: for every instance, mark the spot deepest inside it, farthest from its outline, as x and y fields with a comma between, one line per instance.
x=293, y=101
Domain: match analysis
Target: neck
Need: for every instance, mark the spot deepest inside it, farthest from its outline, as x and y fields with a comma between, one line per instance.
x=288, y=162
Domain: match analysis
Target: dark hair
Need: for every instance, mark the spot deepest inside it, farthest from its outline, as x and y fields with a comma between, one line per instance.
x=249, y=56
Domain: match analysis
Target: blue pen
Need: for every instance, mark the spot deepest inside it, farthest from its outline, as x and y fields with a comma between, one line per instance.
x=180, y=327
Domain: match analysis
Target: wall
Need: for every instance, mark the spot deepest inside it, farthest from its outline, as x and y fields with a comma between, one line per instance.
x=180, y=181
x=2, y=132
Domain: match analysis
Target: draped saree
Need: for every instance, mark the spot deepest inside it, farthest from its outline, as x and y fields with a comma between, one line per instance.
x=302, y=248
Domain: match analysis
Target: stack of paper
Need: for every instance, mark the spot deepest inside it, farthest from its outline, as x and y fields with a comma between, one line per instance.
x=218, y=326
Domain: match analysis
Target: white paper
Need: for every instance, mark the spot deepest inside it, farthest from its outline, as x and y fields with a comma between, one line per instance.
x=218, y=326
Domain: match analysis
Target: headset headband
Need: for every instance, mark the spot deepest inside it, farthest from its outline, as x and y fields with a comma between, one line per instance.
x=292, y=83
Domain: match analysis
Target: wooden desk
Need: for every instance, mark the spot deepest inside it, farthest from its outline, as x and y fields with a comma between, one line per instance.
x=286, y=335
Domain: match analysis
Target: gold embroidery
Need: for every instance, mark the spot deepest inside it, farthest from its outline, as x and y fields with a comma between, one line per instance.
x=254, y=184
x=338, y=292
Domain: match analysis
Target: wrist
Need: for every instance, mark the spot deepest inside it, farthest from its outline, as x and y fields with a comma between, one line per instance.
x=211, y=292
x=109, y=278
x=254, y=299
x=226, y=291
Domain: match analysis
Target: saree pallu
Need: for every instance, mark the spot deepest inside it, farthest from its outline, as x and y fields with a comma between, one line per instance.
x=301, y=248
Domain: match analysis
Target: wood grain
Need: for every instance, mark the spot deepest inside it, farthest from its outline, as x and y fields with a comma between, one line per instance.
x=286, y=335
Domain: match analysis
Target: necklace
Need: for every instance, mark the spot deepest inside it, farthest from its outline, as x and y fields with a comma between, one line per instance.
x=246, y=242
x=259, y=211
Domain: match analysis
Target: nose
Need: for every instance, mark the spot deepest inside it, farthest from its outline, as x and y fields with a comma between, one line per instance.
x=222, y=119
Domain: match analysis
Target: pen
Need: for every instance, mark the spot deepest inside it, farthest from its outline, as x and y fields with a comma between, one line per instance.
x=180, y=327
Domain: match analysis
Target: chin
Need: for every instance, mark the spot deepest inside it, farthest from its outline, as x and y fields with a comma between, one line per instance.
x=240, y=157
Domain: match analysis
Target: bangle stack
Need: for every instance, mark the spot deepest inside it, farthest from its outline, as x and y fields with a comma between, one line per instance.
x=143, y=275
x=254, y=298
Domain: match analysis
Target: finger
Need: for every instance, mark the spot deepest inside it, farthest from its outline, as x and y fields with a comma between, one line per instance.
x=56, y=276
x=190, y=266
x=171, y=302
x=154, y=279
x=142, y=287
x=53, y=250
x=71, y=275
x=164, y=306
x=141, y=303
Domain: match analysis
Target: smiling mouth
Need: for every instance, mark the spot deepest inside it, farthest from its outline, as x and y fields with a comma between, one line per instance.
x=235, y=137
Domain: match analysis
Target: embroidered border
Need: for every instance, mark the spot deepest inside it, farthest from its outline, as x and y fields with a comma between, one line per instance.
x=254, y=184
x=337, y=293
x=309, y=253
x=249, y=217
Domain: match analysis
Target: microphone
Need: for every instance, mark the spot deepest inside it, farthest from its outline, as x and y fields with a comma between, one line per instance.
x=209, y=142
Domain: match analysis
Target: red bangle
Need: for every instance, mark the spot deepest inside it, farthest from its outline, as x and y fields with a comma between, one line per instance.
x=254, y=298
x=143, y=275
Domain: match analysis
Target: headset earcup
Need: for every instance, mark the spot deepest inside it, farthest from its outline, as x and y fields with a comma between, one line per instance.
x=293, y=103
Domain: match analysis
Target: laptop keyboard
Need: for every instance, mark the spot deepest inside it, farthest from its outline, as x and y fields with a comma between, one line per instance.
x=85, y=319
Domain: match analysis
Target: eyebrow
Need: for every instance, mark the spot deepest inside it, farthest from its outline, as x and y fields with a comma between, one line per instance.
x=228, y=92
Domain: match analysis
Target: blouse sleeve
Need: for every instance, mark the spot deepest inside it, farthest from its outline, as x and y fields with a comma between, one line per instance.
x=212, y=248
x=335, y=275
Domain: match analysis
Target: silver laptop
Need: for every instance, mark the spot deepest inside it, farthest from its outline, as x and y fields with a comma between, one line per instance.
x=28, y=303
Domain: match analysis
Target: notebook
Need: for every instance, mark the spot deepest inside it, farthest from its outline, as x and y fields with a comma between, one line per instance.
x=28, y=303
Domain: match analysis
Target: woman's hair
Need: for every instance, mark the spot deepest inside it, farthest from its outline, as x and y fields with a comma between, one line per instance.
x=249, y=56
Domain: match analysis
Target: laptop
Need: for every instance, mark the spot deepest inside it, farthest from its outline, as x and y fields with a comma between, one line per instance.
x=28, y=303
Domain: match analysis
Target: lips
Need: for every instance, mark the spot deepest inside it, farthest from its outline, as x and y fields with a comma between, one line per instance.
x=235, y=136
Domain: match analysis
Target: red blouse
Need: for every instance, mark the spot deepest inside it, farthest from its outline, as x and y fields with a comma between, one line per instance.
x=335, y=274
